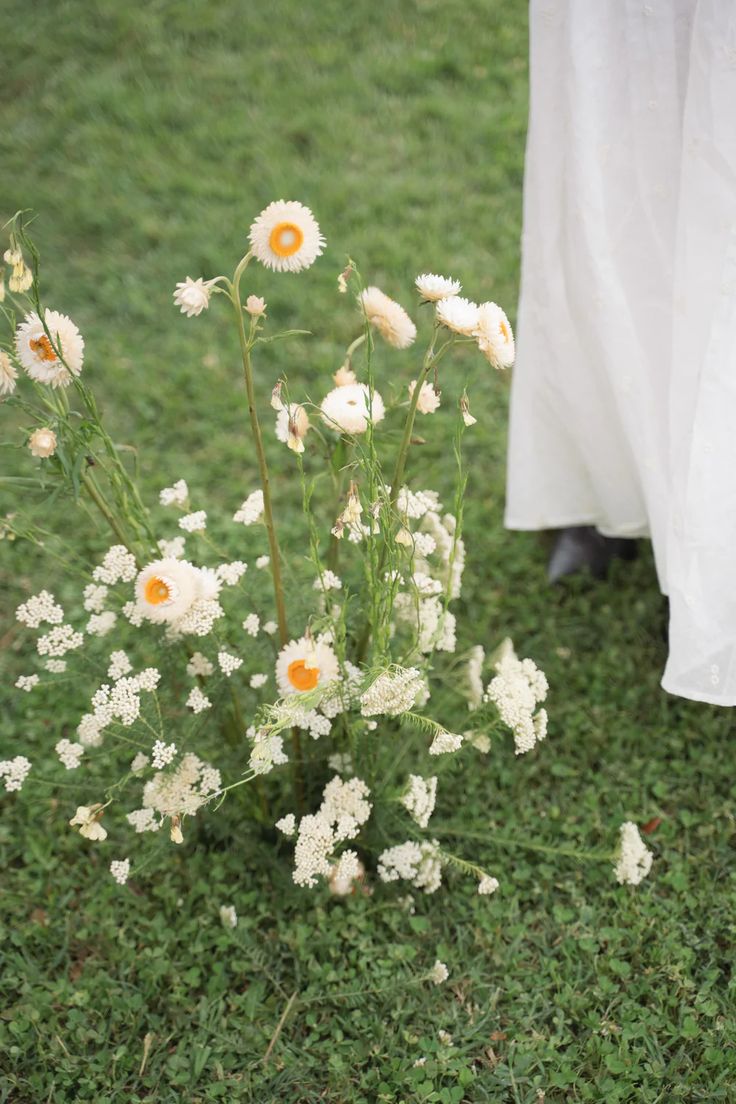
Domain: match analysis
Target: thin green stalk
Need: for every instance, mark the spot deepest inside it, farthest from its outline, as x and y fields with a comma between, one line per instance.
x=275, y=564
x=96, y=495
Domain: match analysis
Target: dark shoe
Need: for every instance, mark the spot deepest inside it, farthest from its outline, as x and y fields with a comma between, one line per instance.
x=584, y=547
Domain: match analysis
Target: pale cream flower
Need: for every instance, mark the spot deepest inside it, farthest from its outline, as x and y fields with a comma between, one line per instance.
x=255, y=306
x=432, y=288
x=8, y=374
x=193, y=296
x=87, y=819
x=38, y=354
x=344, y=376
x=304, y=664
x=42, y=442
x=166, y=589
x=286, y=237
x=349, y=408
x=388, y=317
x=458, y=314
x=495, y=336
x=292, y=426
x=634, y=859
x=428, y=400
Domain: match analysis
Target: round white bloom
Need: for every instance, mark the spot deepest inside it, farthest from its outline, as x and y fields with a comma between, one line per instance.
x=166, y=589
x=194, y=523
x=431, y=287
x=487, y=885
x=388, y=317
x=458, y=314
x=251, y=510
x=26, y=682
x=258, y=680
x=286, y=237
x=228, y=663
x=495, y=336
x=120, y=870
x=445, y=743
x=420, y=797
x=263, y=561
x=39, y=609
x=42, y=442
x=347, y=871
x=348, y=409
x=305, y=664
x=100, y=624
x=117, y=566
x=70, y=754
x=38, y=355
x=292, y=426
x=287, y=824
x=8, y=374
x=428, y=400
x=193, y=296
x=634, y=859
x=439, y=973
x=199, y=665
x=175, y=495
x=14, y=772
x=197, y=701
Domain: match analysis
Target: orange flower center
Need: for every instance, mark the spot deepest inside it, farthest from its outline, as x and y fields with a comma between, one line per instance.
x=302, y=677
x=286, y=239
x=156, y=591
x=42, y=348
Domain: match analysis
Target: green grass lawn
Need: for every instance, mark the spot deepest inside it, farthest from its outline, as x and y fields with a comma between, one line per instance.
x=146, y=136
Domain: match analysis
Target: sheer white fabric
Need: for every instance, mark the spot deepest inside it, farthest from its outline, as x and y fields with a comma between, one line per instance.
x=623, y=410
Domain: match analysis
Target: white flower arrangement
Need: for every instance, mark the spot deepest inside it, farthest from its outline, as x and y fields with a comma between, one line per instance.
x=354, y=652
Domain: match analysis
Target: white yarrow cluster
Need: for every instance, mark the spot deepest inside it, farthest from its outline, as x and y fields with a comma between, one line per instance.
x=120, y=870
x=118, y=566
x=392, y=693
x=14, y=772
x=418, y=863
x=345, y=808
x=194, y=523
x=197, y=701
x=70, y=754
x=177, y=495
x=251, y=510
x=39, y=610
x=419, y=798
x=634, y=859
x=26, y=682
x=516, y=691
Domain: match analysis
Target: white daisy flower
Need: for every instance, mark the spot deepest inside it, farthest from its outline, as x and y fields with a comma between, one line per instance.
x=193, y=296
x=348, y=409
x=292, y=425
x=286, y=237
x=166, y=589
x=495, y=336
x=428, y=400
x=458, y=314
x=388, y=317
x=8, y=374
x=305, y=664
x=38, y=355
x=42, y=442
x=432, y=288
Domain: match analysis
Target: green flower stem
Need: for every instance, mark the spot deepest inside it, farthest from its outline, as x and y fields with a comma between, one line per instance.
x=95, y=494
x=545, y=849
x=275, y=565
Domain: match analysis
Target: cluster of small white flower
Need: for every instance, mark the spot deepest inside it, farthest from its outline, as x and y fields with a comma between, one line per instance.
x=516, y=691
x=634, y=859
x=267, y=750
x=118, y=566
x=26, y=682
x=59, y=641
x=251, y=510
x=40, y=609
x=419, y=798
x=120, y=870
x=70, y=754
x=418, y=863
x=194, y=523
x=345, y=807
x=14, y=772
x=393, y=692
x=177, y=495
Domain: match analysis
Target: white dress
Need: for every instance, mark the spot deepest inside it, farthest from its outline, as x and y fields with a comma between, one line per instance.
x=623, y=411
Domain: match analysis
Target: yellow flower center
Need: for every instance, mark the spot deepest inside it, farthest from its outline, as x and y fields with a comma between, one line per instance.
x=302, y=677
x=286, y=239
x=156, y=591
x=505, y=331
x=42, y=347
